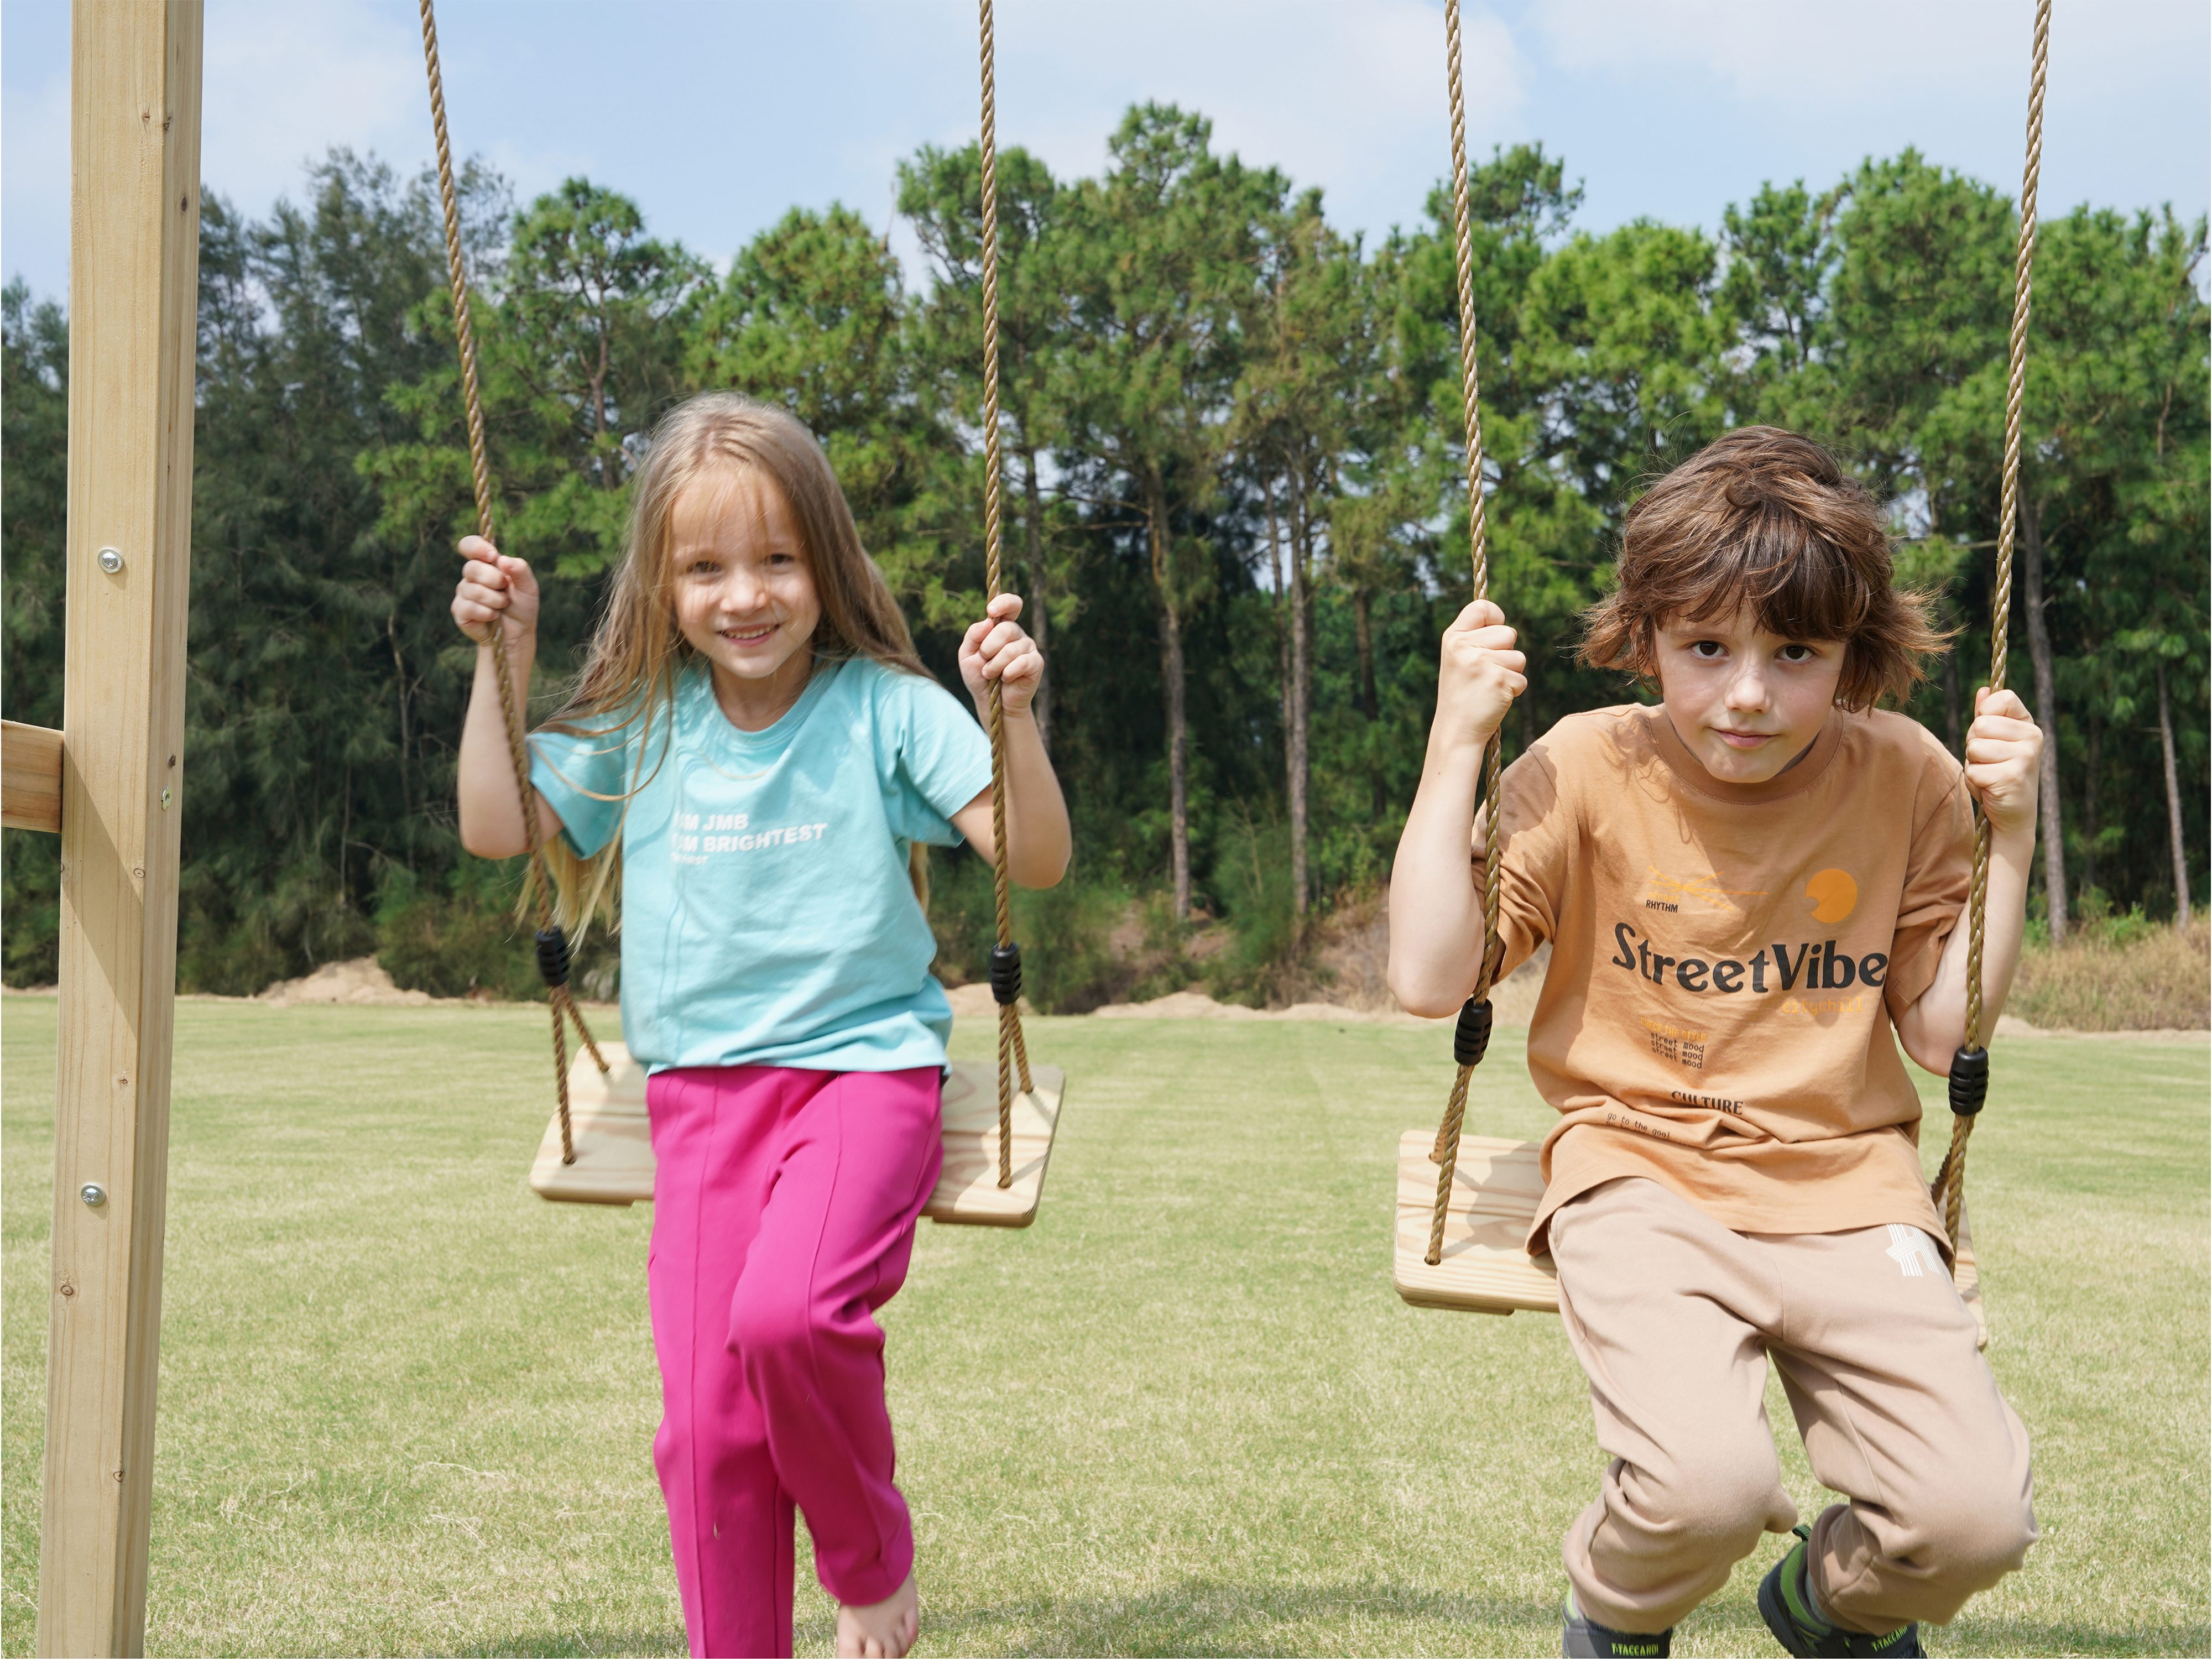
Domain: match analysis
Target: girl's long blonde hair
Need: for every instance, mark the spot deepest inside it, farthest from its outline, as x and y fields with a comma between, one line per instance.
x=629, y=680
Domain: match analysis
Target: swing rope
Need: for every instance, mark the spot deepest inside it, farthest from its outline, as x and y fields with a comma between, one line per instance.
x=1472, y=1036
x=537, y=883
x=1970, y=1068
x=1006, y=955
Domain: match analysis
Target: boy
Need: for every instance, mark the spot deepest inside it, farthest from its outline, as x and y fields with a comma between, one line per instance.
x=1746, y=889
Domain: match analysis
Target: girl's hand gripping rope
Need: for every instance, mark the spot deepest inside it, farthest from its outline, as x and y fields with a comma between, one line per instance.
x=496, y=591
x=491, y=585
x=997, y=648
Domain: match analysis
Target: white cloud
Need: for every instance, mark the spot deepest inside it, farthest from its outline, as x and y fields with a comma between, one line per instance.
x=283, y=83
x=1788, y=54
x=716, y=117
x=1350, y=98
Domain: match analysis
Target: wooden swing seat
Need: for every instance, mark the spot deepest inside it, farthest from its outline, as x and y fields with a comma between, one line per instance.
x=614, y=1142
x=1496, y=1188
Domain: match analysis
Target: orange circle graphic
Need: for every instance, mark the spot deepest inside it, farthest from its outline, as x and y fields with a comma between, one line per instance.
x=1834, y=895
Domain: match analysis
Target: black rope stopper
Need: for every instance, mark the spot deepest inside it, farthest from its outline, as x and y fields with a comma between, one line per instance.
x=553, y=956
x=1970, y=1081
x=1006, y=974
x=1471, y=1036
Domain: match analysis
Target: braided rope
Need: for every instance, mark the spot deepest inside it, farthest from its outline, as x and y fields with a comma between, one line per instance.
x=1949, y=1187
x=537, y=884
x=1013, y=1053
x=1445, y=1154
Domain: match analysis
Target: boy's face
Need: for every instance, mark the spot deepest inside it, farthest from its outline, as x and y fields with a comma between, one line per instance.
x=1746, y=703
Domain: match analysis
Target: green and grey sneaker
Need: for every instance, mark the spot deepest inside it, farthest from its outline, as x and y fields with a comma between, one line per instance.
x=1585, y=1639
x=1786, y=1604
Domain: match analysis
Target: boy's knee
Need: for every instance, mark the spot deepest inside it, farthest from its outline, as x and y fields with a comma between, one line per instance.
x=1973, y=1538
x=1715, y=1509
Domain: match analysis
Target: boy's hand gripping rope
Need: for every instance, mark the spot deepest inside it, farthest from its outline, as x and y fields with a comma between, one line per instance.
x=1969, y=1066
x=1006, y=955
x=1472, y=1036
x=552, y=946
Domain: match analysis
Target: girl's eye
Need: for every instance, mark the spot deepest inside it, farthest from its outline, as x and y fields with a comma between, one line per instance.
x=1797, y=654
x=1707, y=650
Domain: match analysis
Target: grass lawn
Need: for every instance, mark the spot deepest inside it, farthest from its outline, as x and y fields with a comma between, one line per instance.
x=406, y=1407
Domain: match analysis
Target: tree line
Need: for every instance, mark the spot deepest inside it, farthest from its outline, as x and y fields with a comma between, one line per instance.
x=1235, y=488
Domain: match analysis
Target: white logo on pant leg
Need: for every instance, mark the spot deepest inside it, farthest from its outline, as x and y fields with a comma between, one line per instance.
x=1907, y=1245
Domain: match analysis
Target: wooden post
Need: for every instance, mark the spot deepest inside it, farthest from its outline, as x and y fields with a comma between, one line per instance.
x=134, y=268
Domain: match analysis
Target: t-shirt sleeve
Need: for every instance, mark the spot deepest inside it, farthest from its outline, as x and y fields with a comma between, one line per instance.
x=1535, y=834
x=941, y=759
x=1938, y=872
x=584, y=779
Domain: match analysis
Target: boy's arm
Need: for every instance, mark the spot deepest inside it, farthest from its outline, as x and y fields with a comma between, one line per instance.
x=2004, y=749
x=1436, y=900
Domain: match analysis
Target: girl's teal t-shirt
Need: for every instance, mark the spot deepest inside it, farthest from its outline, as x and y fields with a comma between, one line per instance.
x=768, y=918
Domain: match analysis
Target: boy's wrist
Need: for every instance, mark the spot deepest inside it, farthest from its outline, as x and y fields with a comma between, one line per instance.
x=1446, y=746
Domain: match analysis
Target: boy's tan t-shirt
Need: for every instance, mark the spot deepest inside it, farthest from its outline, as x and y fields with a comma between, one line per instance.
x=1725, y=962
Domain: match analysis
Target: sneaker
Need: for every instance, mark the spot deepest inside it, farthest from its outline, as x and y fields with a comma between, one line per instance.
x=1585, y=1639
x=1786, y=1604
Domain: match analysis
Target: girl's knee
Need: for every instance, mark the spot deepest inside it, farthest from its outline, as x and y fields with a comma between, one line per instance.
x=771, y=1325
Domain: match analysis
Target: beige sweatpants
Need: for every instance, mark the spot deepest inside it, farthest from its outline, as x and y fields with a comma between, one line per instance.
x=1674, y=1317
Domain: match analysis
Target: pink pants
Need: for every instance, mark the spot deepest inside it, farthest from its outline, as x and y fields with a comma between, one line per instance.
x=784, y=1212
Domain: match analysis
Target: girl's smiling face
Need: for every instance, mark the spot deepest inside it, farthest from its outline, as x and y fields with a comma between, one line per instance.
x=745, y=594
x=1746, y=702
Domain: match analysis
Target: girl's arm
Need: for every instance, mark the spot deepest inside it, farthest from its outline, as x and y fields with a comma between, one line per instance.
x=1435, y=901
x=1037, y=839
x=2004, y=748
x=494, y=587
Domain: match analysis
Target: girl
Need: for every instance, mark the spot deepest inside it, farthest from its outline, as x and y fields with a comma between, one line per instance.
x=753, y=743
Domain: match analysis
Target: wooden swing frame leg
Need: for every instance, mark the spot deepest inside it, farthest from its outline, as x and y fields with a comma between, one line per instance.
x=134, y=261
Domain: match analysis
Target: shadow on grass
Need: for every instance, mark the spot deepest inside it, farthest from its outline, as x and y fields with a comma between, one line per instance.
x=2011, y=1636
x=580, y=1644
x=1736, y=1627
x=1203, y=1618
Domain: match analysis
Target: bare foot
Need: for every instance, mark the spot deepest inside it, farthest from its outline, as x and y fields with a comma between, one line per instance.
x=885, y=1630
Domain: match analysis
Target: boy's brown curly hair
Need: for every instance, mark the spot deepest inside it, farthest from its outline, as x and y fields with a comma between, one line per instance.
x=1766, y=519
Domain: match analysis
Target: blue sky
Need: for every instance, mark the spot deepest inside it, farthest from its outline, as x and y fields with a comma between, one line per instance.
x=718, y=117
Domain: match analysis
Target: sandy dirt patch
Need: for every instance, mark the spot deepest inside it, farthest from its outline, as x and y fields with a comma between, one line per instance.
x=1513, y=1004
x=360, y=983
x=1196, y=1005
